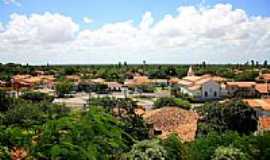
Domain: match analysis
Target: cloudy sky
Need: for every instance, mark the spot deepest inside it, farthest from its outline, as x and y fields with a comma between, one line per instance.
x=158, y=31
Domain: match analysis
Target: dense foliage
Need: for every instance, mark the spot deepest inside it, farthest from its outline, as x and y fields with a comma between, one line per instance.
x=228, y=153
x=124, y=109
x=91, y=135
x=36, y=96
x=120, y=72
x=148, y=149
x=171, y=101
x=232, y=115
x=63, y=88
x=92, y=87
x=253, y=147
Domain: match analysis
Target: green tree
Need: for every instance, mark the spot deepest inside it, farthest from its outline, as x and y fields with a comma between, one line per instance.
x=4, y=153
x=36, y=96
x=134, y=124
x=70, y=71
x=90, y=135
x=171, y=101
x=265, y=63
x=63, y=88
x=147, y=150
x=5, y=101
x=176, y=150
x=27, y=114
x=228, y=153
x=233, y=115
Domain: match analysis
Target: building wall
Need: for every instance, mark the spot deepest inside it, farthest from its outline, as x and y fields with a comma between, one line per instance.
x=242, y=92
x=224, y=92
x=211, y=90
x=184, y=90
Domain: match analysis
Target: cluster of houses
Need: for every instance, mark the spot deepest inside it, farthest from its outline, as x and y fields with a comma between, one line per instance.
x=207, y=87
x=29, y=81
x=255, y=94
x=200, y=88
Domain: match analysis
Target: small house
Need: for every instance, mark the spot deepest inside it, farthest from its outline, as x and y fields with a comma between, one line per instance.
x=262, y=108
x=241, y=89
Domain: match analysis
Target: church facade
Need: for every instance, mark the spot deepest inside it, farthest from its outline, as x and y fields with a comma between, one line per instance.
x=202, y=88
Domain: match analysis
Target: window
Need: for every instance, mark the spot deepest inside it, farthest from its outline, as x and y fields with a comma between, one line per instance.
x=215, y=94
x=206, y=94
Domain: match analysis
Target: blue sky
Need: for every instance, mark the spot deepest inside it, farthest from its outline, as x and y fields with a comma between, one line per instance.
x=158, y=31
x=105, y=11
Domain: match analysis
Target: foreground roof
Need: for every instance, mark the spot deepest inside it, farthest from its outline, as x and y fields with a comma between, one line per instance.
x=263, y=104
x=173, y=120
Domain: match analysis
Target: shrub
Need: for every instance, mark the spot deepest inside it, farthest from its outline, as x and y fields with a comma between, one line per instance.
x=63, y=88
x=146, y=88
x=36, y=96
x=147, y=149
x=176, y=150
x=228, y=153
x=171, y=101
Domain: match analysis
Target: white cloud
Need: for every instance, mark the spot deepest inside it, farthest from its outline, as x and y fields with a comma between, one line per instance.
x=87, y=20
x=219, y=34
x=12, y=2
x=147, y=21
x=39, y=29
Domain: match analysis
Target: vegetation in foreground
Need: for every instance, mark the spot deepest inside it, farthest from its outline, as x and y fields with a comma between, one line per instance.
x=32, y=129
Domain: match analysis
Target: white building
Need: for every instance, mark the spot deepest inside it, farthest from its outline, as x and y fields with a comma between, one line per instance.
x=202, y=88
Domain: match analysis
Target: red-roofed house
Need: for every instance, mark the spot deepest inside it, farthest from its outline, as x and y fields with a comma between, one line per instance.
x=241, y=89
x=263, y=77
x=263, y=89
x=264, y=123
x=28, y=81
x=262, y=108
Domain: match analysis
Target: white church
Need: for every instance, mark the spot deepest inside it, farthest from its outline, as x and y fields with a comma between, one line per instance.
x=202, y=88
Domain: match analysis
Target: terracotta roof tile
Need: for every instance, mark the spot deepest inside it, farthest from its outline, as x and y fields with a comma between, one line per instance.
x=259, y=103
x=174, y=80
x=242, y=84
x=263, y=88
x=264, y=122
x=173, y=120
x=265, y=76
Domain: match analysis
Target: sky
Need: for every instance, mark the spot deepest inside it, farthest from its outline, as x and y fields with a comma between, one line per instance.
x=158, y=31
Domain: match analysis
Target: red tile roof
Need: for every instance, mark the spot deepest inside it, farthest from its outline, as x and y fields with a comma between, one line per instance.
x=242, y=84
x=263, y=104
x=173, y=120
x=263, y=88
x=265, y=76
x=264, y=122
x=174, y=80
